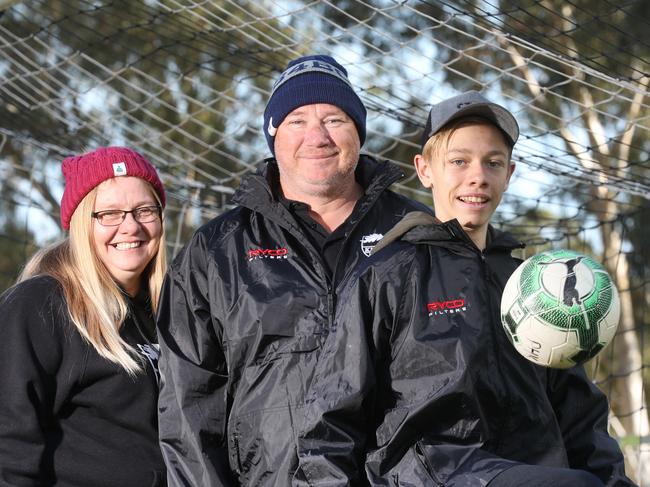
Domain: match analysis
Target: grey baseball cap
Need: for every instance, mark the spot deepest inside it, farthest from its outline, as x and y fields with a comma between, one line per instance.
x=468, y=104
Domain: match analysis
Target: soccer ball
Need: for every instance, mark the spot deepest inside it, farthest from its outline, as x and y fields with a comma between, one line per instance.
x=560, y=308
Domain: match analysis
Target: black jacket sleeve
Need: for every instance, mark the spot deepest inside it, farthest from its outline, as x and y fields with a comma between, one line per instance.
x=30, y=354
x=192, y=406
x=581, y=410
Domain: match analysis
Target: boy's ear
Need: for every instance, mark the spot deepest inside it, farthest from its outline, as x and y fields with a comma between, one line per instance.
x=511, y=169
x=423, y=169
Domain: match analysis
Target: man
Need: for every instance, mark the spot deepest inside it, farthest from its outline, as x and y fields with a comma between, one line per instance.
x=436, y=387
x=248, y=303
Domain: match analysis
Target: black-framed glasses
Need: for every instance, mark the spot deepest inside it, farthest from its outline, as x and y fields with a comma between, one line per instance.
x=112, y=218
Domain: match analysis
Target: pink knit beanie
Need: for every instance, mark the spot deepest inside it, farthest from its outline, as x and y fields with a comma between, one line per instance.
x=83, y=173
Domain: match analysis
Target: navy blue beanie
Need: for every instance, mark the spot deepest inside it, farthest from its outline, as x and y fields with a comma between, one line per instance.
x=308, y=80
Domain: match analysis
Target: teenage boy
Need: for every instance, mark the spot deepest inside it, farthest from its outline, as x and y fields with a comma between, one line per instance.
x=435, y=389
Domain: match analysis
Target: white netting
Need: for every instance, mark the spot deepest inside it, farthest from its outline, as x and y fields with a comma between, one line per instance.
x=185, y=82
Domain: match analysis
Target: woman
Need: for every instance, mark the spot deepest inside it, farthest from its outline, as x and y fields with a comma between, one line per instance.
x=78, y=351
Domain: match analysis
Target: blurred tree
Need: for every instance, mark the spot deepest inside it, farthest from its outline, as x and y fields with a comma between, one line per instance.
x=185, y=73
x=16, y=246
x=178, y=73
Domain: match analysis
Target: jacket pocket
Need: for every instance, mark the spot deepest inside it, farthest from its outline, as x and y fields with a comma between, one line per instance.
x=274, y=347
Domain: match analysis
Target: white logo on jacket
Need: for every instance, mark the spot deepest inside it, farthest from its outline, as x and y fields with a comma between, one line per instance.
x=368, y=242
x=152, y=352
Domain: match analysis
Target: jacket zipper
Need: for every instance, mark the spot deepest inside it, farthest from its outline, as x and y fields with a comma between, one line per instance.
x=505, y=410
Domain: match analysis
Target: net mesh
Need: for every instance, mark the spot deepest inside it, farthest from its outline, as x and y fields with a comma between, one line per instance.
x=185, y=82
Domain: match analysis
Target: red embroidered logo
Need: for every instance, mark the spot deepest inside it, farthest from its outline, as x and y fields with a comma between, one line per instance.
x=446, y=307
x=281, y=253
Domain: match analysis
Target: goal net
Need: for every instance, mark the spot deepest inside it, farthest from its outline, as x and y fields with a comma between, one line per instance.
x=185, y=82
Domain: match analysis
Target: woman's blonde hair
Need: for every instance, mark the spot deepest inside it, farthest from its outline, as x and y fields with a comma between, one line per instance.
x=438, y=142
x=96, y=304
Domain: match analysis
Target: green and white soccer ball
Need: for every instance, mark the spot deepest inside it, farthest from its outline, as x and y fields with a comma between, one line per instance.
x=560, y=308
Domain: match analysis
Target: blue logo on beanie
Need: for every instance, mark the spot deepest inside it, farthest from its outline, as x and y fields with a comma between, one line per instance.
x=309, y=80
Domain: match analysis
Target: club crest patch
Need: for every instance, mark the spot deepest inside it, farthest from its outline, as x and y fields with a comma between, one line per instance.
x=368, y=242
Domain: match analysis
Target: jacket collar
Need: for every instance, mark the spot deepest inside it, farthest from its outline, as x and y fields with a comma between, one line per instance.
x=451, y=232
x=422, y=228
x=259, y=191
